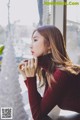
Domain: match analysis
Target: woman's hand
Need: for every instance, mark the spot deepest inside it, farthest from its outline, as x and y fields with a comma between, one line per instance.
x=21, y=69
x=28, y=68
x=31, y=67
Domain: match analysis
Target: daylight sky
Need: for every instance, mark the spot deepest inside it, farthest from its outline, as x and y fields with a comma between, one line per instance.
x=22, y=11
x=25, y=12
x=73, y=12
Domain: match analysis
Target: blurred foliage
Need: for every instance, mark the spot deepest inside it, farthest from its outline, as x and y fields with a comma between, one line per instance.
x=1, y=50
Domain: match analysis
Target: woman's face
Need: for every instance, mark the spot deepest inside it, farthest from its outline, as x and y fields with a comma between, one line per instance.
x=39, y=46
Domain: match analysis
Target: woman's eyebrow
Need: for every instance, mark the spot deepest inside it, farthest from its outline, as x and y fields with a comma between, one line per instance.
x=35, y=36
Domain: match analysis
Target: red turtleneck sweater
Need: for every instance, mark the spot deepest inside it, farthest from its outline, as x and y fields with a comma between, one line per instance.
x=65, y=92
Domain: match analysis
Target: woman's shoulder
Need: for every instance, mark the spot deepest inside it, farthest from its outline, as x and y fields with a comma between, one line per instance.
x=61, y=75
x=61, y=79
x=60, y=72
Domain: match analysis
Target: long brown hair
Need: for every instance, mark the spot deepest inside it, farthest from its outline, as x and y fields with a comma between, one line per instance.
x=60, y=57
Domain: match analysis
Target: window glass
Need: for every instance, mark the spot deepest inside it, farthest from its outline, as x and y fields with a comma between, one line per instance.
x=18, y=18
x=73, y=30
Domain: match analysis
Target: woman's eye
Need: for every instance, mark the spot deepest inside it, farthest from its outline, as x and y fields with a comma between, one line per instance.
x=35, y=40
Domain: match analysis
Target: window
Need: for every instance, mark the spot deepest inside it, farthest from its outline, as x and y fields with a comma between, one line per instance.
x=73, y=31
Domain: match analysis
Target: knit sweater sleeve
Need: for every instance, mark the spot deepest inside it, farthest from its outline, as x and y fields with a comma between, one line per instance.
x=41, y=106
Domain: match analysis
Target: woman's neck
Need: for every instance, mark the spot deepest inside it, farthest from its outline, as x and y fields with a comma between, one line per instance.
x=45, y=61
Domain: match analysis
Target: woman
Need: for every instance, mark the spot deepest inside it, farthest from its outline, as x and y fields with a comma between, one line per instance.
x=52, y=65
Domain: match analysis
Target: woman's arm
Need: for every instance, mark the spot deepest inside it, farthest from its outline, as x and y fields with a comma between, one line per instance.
x=41, y=106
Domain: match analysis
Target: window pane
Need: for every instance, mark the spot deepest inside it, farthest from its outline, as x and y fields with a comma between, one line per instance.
x=22, y=17
x=73, y=31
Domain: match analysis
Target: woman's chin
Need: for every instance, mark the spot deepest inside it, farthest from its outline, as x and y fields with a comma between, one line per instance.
x=34, y=55
x=37, y=55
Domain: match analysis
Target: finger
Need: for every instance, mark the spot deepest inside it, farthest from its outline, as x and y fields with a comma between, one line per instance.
x=26, y=65
x=29, y=63
x=23, y=67
x=22, y=62
x=20, y=66
x=36, y=62
x=32, y=62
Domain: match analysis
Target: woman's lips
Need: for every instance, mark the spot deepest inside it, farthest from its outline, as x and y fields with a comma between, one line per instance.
x=32, y=52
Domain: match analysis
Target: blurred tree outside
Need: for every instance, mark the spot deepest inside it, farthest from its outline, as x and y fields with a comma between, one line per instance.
x=1, y=49
x=1, y=52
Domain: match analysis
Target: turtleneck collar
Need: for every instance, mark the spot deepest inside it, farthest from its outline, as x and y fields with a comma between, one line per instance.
x=45, y=61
